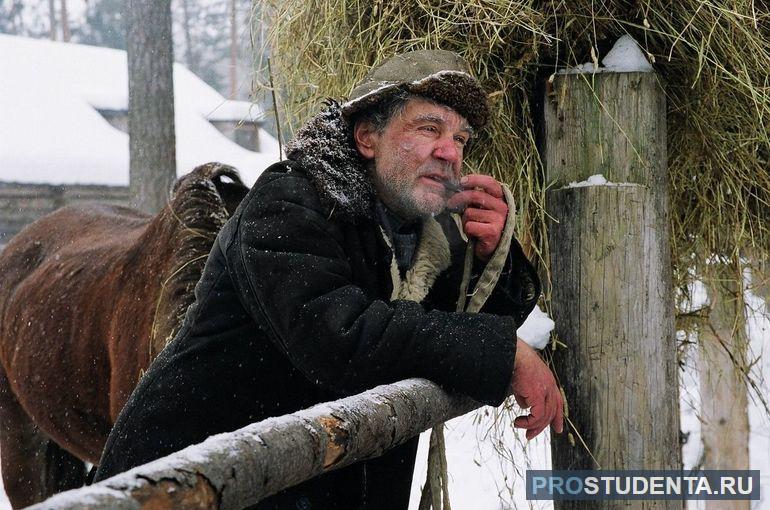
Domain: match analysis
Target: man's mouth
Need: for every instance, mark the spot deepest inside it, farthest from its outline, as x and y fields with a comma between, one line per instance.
x=449, y=185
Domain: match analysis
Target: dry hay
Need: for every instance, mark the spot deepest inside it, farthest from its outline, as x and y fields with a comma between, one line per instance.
x=713, y=58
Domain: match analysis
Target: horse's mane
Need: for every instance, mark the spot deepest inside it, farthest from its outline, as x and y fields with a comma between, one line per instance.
x=201, y=203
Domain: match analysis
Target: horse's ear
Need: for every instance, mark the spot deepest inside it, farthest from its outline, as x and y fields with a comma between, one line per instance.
x=232, y=194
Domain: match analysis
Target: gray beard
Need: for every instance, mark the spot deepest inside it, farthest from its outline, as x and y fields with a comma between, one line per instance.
x=399, y=197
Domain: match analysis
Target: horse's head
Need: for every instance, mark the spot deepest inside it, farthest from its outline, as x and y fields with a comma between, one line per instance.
x=201, y=202
x=224, y=178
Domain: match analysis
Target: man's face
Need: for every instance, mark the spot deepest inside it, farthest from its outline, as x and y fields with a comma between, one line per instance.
x=417, y=152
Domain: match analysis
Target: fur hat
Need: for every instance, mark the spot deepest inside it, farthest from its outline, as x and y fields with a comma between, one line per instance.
x=437, y=74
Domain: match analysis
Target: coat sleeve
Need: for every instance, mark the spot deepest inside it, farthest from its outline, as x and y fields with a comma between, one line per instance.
x=293, y=277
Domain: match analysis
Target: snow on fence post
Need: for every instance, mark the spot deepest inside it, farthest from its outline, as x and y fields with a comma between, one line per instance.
x=234, y=470
x=611, y=285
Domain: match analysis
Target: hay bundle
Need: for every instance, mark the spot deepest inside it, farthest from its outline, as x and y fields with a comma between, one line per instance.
x=713, y=57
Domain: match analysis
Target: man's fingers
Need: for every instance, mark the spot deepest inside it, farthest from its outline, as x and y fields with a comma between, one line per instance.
x=478, y=199
x=485, y=182
x=481, y=230
x=487, y=238
x=532, y=426
x=537, y=417
x=482, y=216
x=533, y=382
x=521, y=422
x=550, y=412
x=532, y=433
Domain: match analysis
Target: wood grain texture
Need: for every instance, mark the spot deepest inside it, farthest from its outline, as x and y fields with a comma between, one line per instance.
x=238, y=469
x=611, y=290
x=723, y=393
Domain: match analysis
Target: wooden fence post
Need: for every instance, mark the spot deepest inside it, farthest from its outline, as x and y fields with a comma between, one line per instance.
x=722, y=343
x=611, y=288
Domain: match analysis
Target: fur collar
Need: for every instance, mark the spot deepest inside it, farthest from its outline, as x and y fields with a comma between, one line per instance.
x=431, y=259
x=324, y=148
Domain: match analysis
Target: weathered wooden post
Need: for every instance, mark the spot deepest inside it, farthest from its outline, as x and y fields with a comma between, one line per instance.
x=611, y=290
x=722, y=344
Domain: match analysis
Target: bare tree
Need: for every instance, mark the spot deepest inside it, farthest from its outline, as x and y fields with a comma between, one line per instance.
x=152, y=144
x=65, y=22
x=52, y=17
x=190, y=57
x=233, y=49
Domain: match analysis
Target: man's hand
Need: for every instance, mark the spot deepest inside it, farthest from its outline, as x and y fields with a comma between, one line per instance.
x=484, y=212
x=535, y=388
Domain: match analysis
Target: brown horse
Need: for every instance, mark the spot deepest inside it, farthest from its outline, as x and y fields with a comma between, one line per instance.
x=88, y=296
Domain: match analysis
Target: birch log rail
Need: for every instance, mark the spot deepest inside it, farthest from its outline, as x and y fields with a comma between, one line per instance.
x=238, y=469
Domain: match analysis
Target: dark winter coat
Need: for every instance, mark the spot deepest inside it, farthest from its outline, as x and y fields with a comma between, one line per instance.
x=300, y=302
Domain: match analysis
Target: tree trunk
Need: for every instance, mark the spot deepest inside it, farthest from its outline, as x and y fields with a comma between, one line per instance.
x=52, y=18
x=65, y=22
x=722, y=345
x=152, y=145
x=233, y=50
x=238, y=469
x=192, y=62
x=612, y=294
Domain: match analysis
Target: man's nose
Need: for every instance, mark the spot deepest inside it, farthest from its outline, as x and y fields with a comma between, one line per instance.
x=447, y=150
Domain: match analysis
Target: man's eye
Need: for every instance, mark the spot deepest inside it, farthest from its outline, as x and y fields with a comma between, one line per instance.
x=430, y=129
x=461, y=140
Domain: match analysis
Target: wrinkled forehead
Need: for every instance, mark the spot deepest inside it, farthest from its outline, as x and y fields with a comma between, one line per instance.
x=419, y=108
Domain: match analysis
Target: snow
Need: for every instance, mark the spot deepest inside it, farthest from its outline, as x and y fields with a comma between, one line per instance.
x=536, y=330
x=479, y=476
x=597, y=180
x=51, y=91
x=236, y=110
x=379, y=89
x=387, y=85
x=594, y=180
x=625, y=57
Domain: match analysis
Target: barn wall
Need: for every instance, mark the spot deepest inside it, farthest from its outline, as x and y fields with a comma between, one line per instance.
x=21, y=204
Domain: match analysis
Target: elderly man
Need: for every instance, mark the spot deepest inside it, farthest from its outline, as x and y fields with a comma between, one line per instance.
x=343, y=269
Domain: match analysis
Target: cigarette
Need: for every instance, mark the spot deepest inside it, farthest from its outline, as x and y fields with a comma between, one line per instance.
x=451, y=186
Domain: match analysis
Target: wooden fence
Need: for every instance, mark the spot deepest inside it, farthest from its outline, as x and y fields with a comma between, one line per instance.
x=237, y=469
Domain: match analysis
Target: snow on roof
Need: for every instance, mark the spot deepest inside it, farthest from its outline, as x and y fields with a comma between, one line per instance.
x=236, y=111
x=51, y=132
